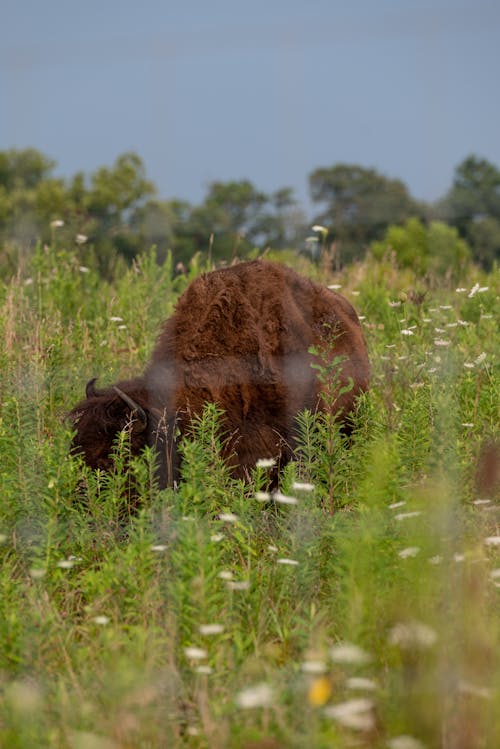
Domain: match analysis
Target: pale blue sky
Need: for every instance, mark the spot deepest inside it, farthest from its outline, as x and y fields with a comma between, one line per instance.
x=267, y=90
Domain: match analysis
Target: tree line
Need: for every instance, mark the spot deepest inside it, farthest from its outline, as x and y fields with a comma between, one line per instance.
x=117, y=212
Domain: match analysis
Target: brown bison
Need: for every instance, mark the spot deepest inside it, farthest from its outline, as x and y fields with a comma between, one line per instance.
x=239, y=337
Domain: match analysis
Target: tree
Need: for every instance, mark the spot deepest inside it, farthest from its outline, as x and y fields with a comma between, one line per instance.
x=473, y=206
x=359, y=205
x=436, y=248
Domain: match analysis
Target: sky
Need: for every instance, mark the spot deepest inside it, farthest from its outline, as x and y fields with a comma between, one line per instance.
x=267, y=90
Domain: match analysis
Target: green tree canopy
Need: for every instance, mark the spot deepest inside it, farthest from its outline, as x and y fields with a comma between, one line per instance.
x=473, y=206
x=358, y=205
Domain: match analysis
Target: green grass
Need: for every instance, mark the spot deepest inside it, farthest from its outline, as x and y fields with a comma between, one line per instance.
x=105, y=614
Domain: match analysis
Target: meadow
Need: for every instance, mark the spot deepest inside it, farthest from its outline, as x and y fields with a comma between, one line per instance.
x=359, y=607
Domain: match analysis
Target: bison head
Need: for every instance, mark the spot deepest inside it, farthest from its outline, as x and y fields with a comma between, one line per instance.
x=100, y=417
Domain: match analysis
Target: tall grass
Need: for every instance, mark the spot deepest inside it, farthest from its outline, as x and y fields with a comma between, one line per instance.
x=357, y=607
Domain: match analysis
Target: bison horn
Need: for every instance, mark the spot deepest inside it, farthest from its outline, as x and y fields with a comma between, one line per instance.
x=90, y=389
x=141, y=418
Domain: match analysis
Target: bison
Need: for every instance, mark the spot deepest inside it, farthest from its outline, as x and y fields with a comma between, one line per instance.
x=240, y=337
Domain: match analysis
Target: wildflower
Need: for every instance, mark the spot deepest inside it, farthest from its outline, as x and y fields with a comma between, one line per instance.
x=65, y=564
x=290, y=562
x=335, y=286
x=355, y=293
x=441, y=342
x=468, y=365
x=319, y=691
x=302, y=487
x=440, y=330
x=467, y=688
x=485, y=317
x=195, y=654
x=159, y=547
x=216, y=537
x=361, y=682
x=436, y=559
x=321, y=229
x=356, y=713
x=314, y=667
x=480, y=358
x=406, y=331
x=482, y=289
x=28, y=282
x=116, y=319
x=37, y=573
x=451, y=324
x=101, y=619
x=206, y=670
x=83, y=269
x=473, y=291
x=81, y=238
x=225, y=575
x=396, y=504
x=395, y=304
x=404, y=741
x=228, y=517
x=481, y=502
x=238, y=585
x=57, y=223
x=411, y=551
x=122, y=327
x=266, y=463
x=445, y=306
x=405, y=515
x=347, y=652
x=283, y=499
x=260, y=695
x=463, y=323
x=211, y=629
x=414, y=634
x=262, y=496
x=492, y=541
x=468, y=425
x=272, y=547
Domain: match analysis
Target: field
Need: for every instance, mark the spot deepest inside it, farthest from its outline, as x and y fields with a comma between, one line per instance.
x=361, y=607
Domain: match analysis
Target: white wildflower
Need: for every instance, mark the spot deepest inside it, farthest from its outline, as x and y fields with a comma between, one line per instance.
x=37, y=573
x=445, y=306
x=65, y=564
x=480, y=358
x=122, y=327
x=486, y=317
x=441, y=342
x=225, y=575
x=335, y=286
x=283, y=499
x=355, y=713
x=216, y=537
x=406, y=515
x=395, y=304
x=211, y=629
x=57, y=223
x=101, y=619
x=290, y=562
x=473, y=291
x=413, y=634
x=262, y=496
x=314, y=667
x=272, y=547
x=437, y=559
x=410, y=551
x=115, y=318
x=404, y=741
x=302, y=486
x=481, y=502
x=347, y=652
x=195, y=654
x=28, y=282
x=468, y=424
x=406, y=331
x=468, y=365
x=265, y=463
x=463, y=323
x=81, y=238
x=83, y=269
x=205, y=670
x=228, y=517
x=361, y=682
x=260, y=695
x=482, y=289
x=238, y=585
x=492, y=541
x=355, y=293
x=395, y=505
x=159, y=547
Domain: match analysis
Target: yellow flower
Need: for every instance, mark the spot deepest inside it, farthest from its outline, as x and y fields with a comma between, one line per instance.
x=319, y=691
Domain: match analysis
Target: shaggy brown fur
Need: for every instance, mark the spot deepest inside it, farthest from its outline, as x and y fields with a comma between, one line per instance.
x=239, y=337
